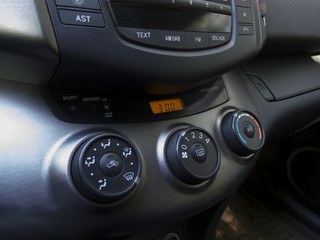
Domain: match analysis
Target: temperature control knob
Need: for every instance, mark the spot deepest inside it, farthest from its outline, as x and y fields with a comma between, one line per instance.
x=193, y=155
x=243, y=132
x=106, y=168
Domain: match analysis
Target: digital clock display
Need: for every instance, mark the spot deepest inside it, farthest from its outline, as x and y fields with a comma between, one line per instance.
x=164, y=106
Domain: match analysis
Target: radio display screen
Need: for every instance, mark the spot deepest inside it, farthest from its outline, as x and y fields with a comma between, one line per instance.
x=162, y=18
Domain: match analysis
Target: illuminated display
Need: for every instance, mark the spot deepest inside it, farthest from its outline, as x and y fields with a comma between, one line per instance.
x=169, y=105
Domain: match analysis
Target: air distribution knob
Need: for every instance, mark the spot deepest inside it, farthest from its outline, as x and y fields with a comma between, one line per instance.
x=243, y=132
x=106, y=167
x=193, y=155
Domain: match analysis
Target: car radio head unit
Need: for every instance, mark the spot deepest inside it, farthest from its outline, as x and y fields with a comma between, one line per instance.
x=130, y=46
x=171, y=28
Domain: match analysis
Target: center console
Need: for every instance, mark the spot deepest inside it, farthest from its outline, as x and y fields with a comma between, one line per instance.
x=144, y=123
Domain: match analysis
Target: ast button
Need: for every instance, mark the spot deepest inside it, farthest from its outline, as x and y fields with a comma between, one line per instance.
x=81, y=18
x=147, y=36
x=111, y=164
x=93, y=4
x=217, y=39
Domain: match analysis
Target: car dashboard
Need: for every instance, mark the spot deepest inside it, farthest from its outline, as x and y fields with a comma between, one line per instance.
x=127, y=119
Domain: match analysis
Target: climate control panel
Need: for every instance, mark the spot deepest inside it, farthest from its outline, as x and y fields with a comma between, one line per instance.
x=106, y=167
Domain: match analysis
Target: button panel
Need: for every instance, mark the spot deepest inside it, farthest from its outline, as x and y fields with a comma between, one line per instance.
x=244, y=17
x=174, y=39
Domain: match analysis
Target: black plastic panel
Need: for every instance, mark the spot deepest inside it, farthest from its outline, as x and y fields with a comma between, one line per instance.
x=292, y=26
x=97, y=108
x=52, y=207
x=286, y=77
x=285, y=117
x=28, y=48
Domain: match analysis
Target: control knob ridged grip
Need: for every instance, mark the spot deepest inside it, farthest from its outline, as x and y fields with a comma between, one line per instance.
x=243, y=132
x=193, y=155
x=106, y=168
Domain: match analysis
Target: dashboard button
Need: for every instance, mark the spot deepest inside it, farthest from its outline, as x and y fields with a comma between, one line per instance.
x=248, y=129
x=105, y=168
x=146, y=36
x=243, y=3
x=245, y=30
x=244, y=15
x=172, y=39
x=199, y=152
x=111, y=164
x=93, y=4
x=227, y=2
x=206, y=6
x=218, y=39
x=82, y=18
x=222, y=8
x=243, y=132
x=193, y=155
x=197, y=40
x=263, y=89
x=193, y=4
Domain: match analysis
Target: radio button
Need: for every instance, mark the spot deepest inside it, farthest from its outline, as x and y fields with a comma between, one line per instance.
x=243, y=3
x=89, y=19
x=244, y=15
x=245, y=30
x=93, y=4
x=227, y=2
x=223, y=9
x=197, y=40
x=172, y=39
x=218, y=39
x=146, y=36
x=188, y=4
x=206, y=6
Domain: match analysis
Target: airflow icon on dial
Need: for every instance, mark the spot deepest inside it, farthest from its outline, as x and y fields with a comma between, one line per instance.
x=106, y=168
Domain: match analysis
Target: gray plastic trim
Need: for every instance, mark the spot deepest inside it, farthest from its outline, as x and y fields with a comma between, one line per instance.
x=38, y=199
x=28, y=48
